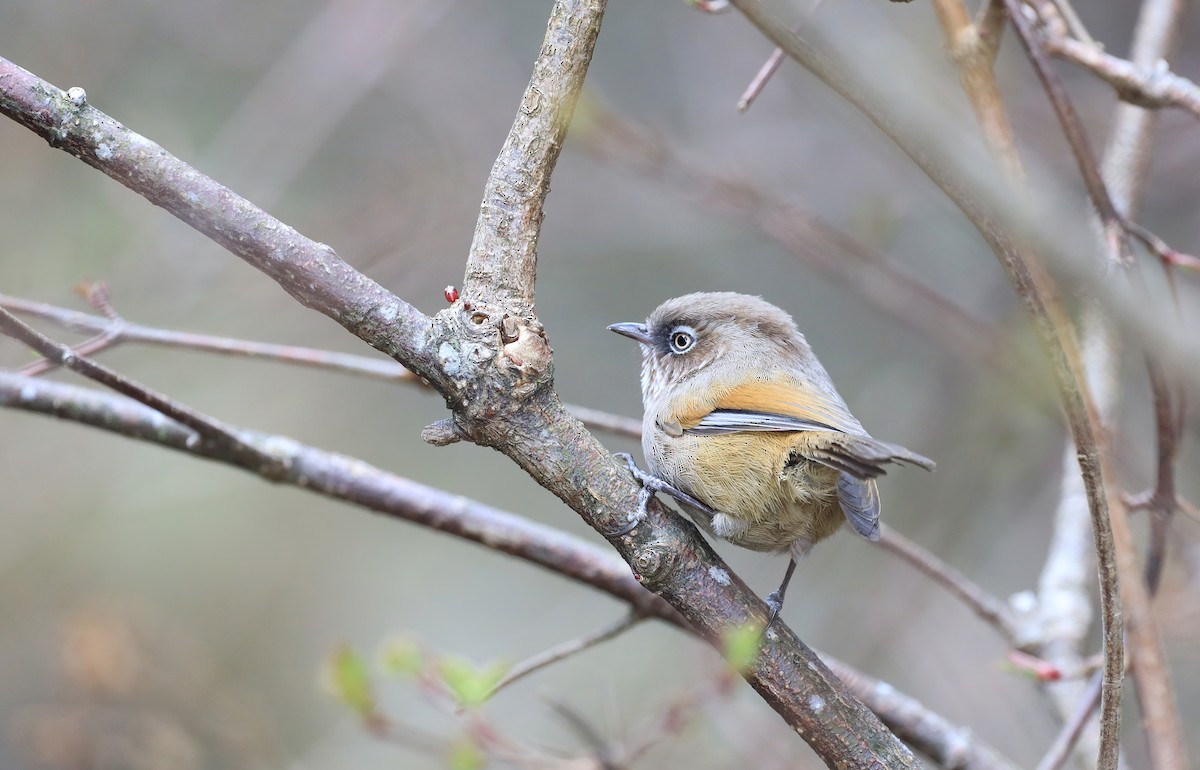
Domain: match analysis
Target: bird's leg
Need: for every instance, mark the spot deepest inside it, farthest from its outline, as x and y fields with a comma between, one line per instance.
x=651, y=484
x=775, y=598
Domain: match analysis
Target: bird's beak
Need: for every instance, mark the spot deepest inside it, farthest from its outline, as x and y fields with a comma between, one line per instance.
x=633, y=331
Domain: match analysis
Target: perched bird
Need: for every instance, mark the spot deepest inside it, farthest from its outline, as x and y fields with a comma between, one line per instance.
x=743, y=426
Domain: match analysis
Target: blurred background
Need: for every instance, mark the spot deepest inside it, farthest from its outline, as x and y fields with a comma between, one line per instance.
x=161, y=612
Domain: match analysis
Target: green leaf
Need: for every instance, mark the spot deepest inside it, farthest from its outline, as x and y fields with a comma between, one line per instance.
x=742, y=646
x=400, y=656
x=470, y=685
x=348, y=679
x=466, y=755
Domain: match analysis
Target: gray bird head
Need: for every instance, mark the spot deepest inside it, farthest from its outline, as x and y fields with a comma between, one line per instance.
x=709, y=332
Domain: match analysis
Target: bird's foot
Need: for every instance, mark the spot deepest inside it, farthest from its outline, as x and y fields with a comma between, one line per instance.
x=774, y=602
x=774, y=599
x=652, y=484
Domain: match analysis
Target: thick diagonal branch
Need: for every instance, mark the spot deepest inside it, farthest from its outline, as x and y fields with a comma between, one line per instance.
x=311, y=272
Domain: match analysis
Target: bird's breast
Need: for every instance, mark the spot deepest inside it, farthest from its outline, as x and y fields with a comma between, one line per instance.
x=751, y=477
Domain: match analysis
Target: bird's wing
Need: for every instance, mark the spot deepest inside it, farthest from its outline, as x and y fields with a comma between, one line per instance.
x=827, y=434
x=767, y=405
x=859, y=501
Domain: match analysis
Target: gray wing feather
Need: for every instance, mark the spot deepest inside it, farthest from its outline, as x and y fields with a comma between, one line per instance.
x=739, y=420
x=859, y=501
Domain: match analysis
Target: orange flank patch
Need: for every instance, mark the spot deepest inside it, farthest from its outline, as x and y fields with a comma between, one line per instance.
x=781, y=395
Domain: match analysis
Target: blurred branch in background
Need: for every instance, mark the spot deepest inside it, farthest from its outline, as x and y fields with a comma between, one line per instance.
x=1125, y=166
x=1034, y=286
x=1144, y=81
x=624, y=144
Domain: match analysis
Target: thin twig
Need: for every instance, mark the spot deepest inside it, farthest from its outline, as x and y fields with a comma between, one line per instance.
x=566, y=650
x=1074, y=23
x=760, y=80
x=116, y=332
x=1060, y=750
x=984, y=605
x=1188, y=509
x=1111, y=220
x=205, y=427
x=1151, y=88
x=1167, y=255
x=770, y=66
x=970, y=52
x=990, y=23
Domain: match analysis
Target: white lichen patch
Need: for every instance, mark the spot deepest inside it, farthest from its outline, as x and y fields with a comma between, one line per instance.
x=719, y=575
x=450, y=359
x=388, y=313
x=104, y=152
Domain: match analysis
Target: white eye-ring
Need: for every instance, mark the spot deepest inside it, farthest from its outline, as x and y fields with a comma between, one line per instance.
x=682, y=339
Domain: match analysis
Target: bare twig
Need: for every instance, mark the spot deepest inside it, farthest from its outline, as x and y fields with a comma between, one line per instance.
x=987, y=607
x=925, y=731
x=760, y=80
x=818, y=244
x=1154, y=88
x=353, y=481
x=206, y=428
x=769, y=67
x=1111, y=221
x=1060, y=750
x=115, y=332
x=566, y=650
x=1167, y=255
x=973, y=55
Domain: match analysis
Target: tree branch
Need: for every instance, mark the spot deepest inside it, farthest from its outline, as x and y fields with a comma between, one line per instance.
x=973, y=55
x=349, y=480
x=118, y=331
x=492, y=362
x=1161, y=721
x=1152, y=87
x=309, y=271
x=502, y=264
x=987, y=607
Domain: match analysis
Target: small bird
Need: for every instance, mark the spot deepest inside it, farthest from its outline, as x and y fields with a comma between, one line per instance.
x=744, y=428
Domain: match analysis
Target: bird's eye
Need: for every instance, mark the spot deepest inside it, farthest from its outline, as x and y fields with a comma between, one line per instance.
x=682, y=340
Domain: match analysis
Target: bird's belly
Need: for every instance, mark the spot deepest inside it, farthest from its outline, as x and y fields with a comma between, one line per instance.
x=764, y=502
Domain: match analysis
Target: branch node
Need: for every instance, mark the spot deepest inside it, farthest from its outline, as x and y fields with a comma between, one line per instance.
x=442, y=433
